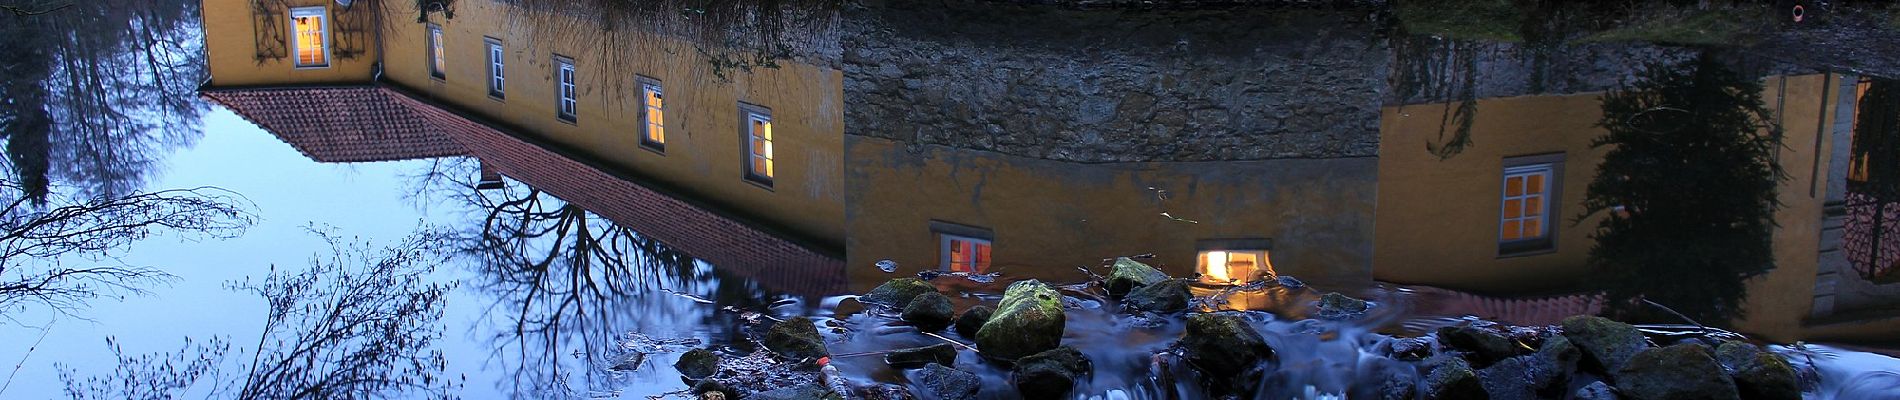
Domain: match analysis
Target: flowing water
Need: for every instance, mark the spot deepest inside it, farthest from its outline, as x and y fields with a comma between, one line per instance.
x=399, y=237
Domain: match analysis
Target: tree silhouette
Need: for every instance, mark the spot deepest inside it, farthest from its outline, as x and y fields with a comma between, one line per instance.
x=1688, y=187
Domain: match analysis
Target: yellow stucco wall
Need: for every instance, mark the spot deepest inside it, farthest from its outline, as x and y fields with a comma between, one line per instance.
x=1049, y=217
x=231, y=47
x=703, y=155
x=1437, y=219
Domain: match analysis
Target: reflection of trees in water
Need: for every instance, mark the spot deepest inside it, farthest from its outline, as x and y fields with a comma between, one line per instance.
x=1872, y=237
x=96, y=91
x=1436, y=69
x=572, y=285
x=37, y=242
x=361, y=322
x=1688, y=186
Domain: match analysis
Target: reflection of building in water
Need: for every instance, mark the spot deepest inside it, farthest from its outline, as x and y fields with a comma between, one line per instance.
x=735, y=168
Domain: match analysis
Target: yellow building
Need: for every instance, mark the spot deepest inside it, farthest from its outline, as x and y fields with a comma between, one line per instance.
x=1501, y=217
x=763, y=146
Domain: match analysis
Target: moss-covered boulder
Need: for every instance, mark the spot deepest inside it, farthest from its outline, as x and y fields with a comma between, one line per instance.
x=1166, y=296
x=796, y=339
x=1050, y=374
x=1028, y=321
x=1335, y=305
x=929, y=312
x=897, y=293
x=697, y=364
x=916, y=357
x=1452, y=378
x=1684, y=371
x=1129, y=274
x=1606, y=344
x=1562, y=353
x=948, y=383
x=1758, y=375
x=972, y=320
x=1481, y=345
x=1225, y=347
x=1525, y=377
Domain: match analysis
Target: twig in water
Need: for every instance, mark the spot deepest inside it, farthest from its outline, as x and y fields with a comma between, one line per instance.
x=952, y=341
x=1698, y=325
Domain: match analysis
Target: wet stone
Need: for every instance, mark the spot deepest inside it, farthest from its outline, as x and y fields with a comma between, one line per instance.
x=1050, y=374
x=1167, y=296
x=796, y=339
x=916, y=357
x=1758, y=374
x=1225, y=347
x=972, y=320
x=1335, y=305
x=1452, y=378
x=1526, y=377
x=897, y=293
x=1561, y=353
x=929, y=312
x=697, y=364
x=947, y=383
x=1411, y=349
x=1289, y=282
x=1129, y=274
x=1606, y=344
x=1481, y=345
x=1682, y=371
x=800, y=392
x=1029, y=320
x=1595, y=391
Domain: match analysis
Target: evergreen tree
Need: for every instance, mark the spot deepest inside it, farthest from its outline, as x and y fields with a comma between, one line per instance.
x=1688, y=187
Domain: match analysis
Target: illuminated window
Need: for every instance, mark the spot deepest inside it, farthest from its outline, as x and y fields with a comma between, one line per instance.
x=497, y=76
x=962, y=248
x=758, y=146
x=1234, y=266
x=564, y=89
x=1526, y=203
x=437, y=65
x=312, y=44
x=962, y=254
x=653, y=124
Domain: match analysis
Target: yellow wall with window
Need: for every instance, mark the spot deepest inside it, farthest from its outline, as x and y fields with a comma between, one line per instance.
x=232, y=31
x=704, y=153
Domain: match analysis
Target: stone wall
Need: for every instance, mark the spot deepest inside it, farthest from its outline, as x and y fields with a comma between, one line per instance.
x=1115, y=86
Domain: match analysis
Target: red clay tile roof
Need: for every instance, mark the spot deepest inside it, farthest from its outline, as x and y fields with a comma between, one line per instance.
x=338, y=124
x=384, y=123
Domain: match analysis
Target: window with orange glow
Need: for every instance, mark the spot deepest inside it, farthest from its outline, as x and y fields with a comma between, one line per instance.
x=1234, y=266
x=1526, y=208
x=759, y=165
x=652, y=107
x=965, y=254
x=311, y=40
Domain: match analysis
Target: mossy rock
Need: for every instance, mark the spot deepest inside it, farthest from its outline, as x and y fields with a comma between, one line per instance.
x=1606, y=344
x=897, y=293
x=1226, y=348
x=947, y=383
x=1758, y=375
x=1335, y=305
x=796, y=339
x=1029, y=320
x=810, y=391
x=1481, y=345
x=1129, y=274
x=1452, y=378
x=1167, y=296
x=1678, y=372
x=972, y=320
x=929, y=312
x=697, y=364
x=1050, y=374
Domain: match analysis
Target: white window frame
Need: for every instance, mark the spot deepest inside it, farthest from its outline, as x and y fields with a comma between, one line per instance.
x=323, y=29
x=1551, y=167
x=438, y=62
x=748, y=114
x=1542, y=194
x=497, y=68
x=566, y=90
x=651, y=85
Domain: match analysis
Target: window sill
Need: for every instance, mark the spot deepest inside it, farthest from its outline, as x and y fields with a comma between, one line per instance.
x=1526, y=252
x=567, y=120
x=655, y=148
x=762, y=184
x=310, y=67
x=498, y=98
